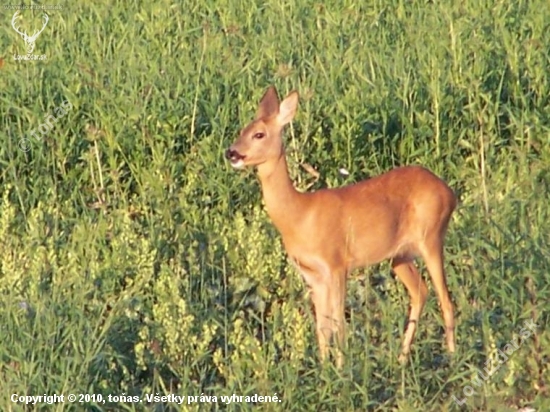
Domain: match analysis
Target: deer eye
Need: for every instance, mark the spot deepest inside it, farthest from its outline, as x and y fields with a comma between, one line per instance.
x=258, y=135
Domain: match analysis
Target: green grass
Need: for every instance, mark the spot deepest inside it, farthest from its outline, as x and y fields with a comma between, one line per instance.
x=135, y=261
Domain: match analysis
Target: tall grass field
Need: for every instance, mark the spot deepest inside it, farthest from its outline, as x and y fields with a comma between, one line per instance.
x=137, y=267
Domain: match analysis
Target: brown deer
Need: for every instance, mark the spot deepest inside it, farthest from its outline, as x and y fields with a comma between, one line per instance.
x=399, y=215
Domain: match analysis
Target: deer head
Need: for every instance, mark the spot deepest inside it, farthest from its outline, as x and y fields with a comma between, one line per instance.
x=29, y=40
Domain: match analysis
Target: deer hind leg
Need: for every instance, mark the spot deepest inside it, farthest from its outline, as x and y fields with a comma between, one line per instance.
x=432, y=252
x=328, y=298
x=406, y=271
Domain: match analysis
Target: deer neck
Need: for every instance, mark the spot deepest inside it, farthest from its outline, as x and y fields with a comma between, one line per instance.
x=283, y=202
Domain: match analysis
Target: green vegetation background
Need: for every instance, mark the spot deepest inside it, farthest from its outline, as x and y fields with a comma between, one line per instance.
x=135, y=261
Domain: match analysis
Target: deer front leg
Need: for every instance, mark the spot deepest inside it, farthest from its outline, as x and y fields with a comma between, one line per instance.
x=323, y=317
x=328, y=298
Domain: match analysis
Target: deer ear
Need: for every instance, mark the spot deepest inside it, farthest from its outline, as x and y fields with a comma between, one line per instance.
x=287, y=109
x=269, y=105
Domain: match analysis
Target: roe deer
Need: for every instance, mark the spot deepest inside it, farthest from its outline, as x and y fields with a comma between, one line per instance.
x=399, y=215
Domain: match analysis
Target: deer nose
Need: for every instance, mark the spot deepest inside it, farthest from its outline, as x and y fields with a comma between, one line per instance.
x=232, y=155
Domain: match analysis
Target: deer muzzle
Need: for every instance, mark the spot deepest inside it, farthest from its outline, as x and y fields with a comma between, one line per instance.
x=236, y=159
